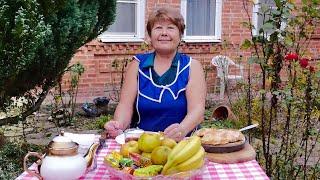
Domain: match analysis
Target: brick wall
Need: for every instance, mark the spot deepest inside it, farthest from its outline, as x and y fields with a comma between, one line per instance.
x=97, y=57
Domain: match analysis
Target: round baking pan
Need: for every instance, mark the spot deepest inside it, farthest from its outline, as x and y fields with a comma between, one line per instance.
x=225, y=148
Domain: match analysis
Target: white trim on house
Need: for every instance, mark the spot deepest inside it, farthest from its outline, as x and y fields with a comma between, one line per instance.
x=130, y=37
x=218, y=17
x=255, y=10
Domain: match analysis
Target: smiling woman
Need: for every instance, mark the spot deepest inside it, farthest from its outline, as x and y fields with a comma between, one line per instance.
x=165, y=88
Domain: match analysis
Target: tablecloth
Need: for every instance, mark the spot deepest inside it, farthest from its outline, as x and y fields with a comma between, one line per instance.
x=245, y=170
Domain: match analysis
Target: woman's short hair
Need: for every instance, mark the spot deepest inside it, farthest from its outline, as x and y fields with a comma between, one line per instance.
x=166, y=13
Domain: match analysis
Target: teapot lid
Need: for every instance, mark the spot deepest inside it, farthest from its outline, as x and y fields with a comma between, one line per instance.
x=61, y=138
x=63, y=146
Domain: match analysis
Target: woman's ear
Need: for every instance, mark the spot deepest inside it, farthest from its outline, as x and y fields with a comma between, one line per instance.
x=148, y=41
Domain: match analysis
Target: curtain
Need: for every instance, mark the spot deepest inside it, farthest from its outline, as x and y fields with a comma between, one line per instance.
x=200, y=17
x=125, y=21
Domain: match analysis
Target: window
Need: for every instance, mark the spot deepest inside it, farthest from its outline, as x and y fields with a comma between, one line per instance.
x=203, y=20
x=129, y=22
x=261, y=14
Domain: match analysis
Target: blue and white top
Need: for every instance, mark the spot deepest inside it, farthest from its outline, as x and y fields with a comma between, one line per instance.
x=159, y=106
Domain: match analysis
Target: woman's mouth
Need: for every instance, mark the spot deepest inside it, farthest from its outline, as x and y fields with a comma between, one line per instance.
x=164, y=40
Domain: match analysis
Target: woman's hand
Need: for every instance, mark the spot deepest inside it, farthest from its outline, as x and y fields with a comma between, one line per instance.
x=175, y=131
x=113, y=128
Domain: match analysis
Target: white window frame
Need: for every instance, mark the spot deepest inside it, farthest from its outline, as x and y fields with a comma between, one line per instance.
x=255, y=10
x=140, y=26
x=216, y=37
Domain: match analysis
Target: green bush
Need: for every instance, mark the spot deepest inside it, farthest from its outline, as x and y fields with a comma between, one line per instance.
x=99, y=122
x=11, y=158
x=102, y=120
x=37, y=41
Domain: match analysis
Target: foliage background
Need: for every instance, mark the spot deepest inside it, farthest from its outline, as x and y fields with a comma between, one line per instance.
x=37, y=40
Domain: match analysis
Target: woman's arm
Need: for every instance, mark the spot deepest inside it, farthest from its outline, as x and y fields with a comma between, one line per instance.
x=196, y=94
x=124, y=110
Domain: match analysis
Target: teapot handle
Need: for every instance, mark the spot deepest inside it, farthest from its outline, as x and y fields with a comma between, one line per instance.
x=34, y=173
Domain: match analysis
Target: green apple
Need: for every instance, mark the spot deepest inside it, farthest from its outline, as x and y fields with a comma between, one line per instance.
x=168, y=142
x=131, y=146
x=160, y=155
x=148, y=141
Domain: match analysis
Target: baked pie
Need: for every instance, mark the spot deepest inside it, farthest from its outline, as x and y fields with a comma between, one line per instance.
x=212, y=136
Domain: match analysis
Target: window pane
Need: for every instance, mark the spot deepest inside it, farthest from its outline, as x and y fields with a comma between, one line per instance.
x=125, y=21
x=269, y=2
x=200, y=17
x=265, y=16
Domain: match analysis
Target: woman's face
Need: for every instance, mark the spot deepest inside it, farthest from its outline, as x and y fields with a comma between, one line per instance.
x=165, y=36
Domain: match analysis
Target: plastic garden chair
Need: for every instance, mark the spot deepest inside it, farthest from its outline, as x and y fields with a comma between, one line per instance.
x=222, y=64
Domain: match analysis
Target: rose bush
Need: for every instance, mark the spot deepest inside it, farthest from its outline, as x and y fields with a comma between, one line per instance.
x=289, y=98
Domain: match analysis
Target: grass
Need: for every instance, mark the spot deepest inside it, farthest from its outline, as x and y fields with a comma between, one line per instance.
x=226, y=123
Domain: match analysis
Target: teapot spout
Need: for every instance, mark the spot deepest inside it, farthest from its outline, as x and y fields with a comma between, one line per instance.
x=89, y=157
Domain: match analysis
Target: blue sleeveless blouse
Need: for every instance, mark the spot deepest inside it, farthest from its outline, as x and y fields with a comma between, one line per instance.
x=159, y=106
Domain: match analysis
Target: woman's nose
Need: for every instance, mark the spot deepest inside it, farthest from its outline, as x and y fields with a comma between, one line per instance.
x=164, y=32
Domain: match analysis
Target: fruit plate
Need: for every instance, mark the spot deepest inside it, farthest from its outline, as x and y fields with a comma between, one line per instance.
x=133, y=134
x=225, y=148
x=187, y=175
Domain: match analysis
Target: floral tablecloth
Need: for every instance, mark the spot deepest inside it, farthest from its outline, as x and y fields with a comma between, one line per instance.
x=245, y=170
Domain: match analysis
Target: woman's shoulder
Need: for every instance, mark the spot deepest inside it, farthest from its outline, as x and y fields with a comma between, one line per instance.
x=196, y=66
x=188, y=60
x=195, y=62
x=143, y=56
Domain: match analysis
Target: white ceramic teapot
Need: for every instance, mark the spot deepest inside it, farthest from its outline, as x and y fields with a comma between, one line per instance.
x=62, y=160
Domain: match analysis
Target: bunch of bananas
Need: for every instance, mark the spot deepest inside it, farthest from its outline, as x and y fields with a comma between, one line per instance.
x=187, y=155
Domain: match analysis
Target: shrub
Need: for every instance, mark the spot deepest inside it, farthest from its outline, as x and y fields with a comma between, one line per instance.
x=11, y=158
x=37, y=41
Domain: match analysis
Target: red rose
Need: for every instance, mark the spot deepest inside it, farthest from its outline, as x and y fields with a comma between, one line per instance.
x=312, y=69
x=304, y=62
x=291, y=56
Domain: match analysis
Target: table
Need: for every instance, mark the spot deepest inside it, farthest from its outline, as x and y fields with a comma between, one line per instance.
x=245, y=170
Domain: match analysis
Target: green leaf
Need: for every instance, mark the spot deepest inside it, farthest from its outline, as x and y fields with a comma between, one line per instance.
x=246, y=44
x=318, y=74
x=265, y=8
x=288, y=41
x=267, y=26
x=275, y=12
x=277, y=2
x=253, y=60
x=247, y=25
x=277, y=93
x=262, y=91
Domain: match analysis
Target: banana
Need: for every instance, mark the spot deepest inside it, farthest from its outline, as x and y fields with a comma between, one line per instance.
x=89, y=156
x=174, y=170
x=193, y=145
x=194, y=162
x=178, y=148
x=173, y=153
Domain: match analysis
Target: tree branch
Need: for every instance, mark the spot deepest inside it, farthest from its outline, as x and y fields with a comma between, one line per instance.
x=22, y=116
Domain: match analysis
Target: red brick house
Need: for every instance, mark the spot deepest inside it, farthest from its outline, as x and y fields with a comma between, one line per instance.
x=209, y=23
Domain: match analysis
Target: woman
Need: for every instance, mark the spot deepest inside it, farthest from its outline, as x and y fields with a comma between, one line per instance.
x=167, y=88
